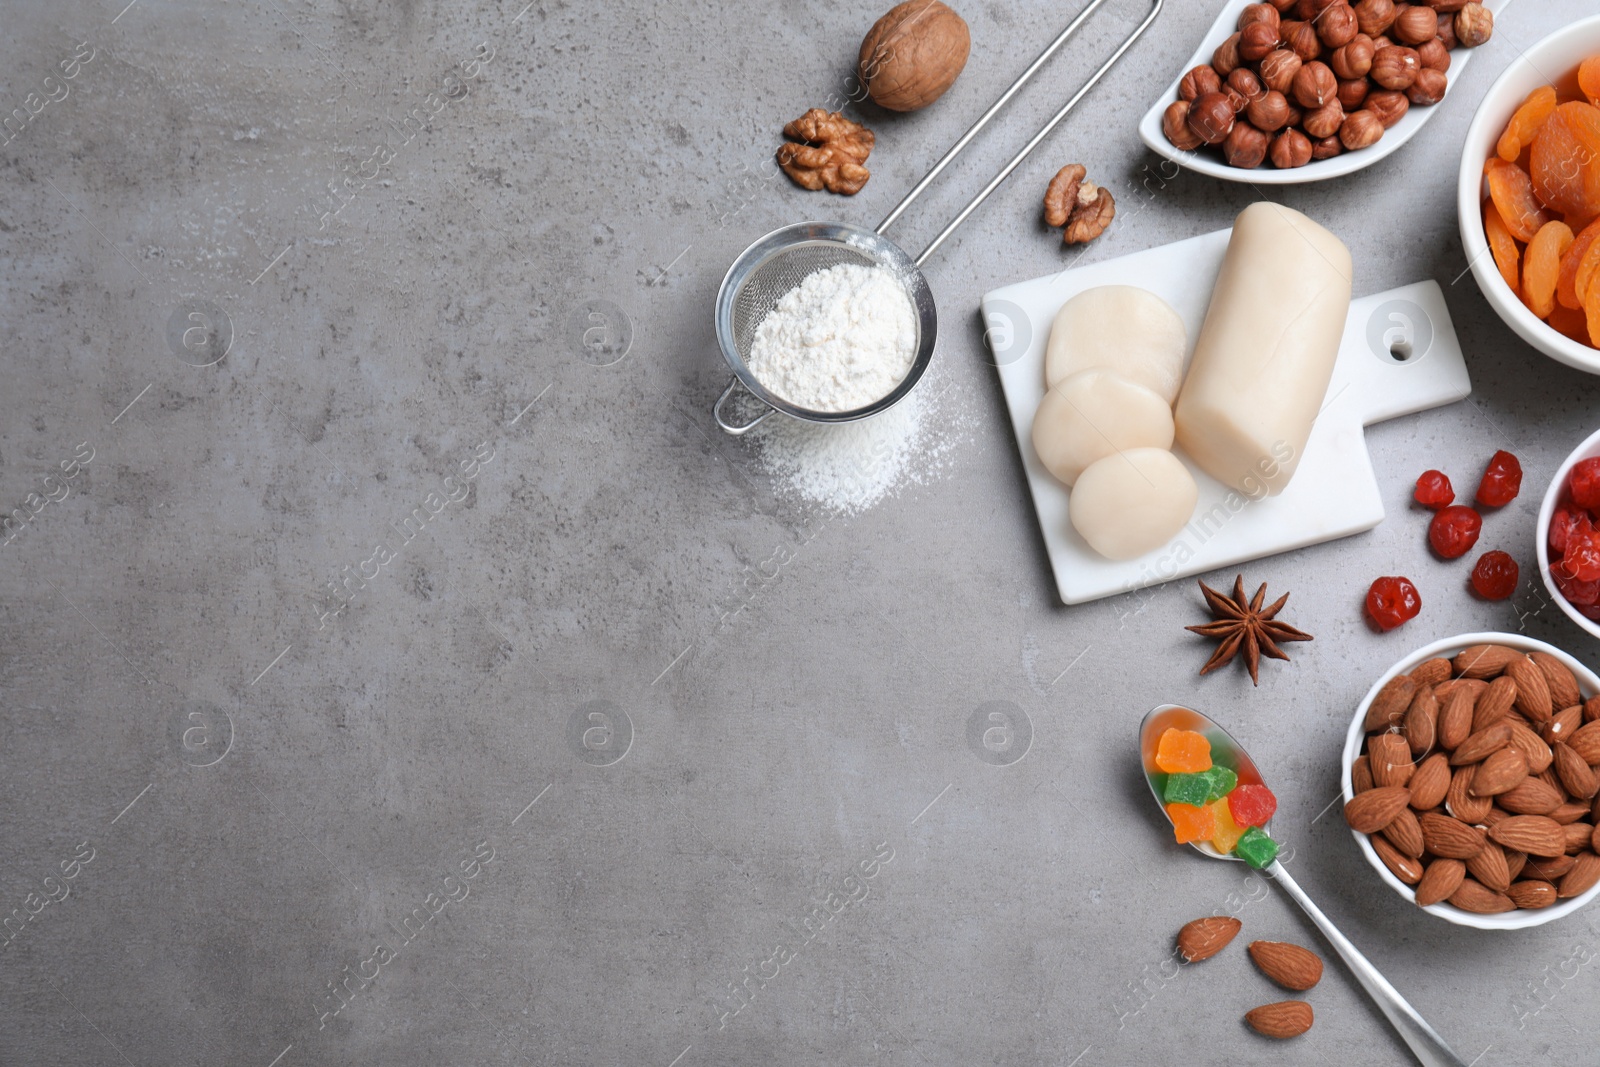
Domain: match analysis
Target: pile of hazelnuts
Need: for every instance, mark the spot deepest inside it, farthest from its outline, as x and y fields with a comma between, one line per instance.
x=1309, y=79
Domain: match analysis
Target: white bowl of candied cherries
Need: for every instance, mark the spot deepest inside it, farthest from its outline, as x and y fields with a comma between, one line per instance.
x=1569, y=536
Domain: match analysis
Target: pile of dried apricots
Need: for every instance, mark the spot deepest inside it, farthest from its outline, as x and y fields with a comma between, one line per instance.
x=1542, y=214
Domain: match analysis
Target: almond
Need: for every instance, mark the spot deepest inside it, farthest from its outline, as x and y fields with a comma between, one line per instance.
x=1533, y=796
x=1533, y=692
x=1582, y=877
x=1376, y=808
x=1455, y=719
x=1569, y=812
x=1482, y=743
x=1390, y=703
x=1479, y=899
x=1558, y=676
x=1441, y=879
x=1563, y=724
x=1406, y=868
x=1405, y=833
x=1446, y=690
x=1576, y=775
x=1532, y=745
x=1483, y=661
x=1452, y=838
x=1430, y=782
x=1537, y=835
x=1285, y=1019
x=1493, y=703
x=1462, y=804
x=1594, y=839
x=1532, y=894
x=1515, y=861
x=1490, y=868
x=1287, y=964
x=1591, y=708
x=1496, y=814
x=1579, y=835
x=1500, y=773
x=1432, y=672
x=1550, y=869
x=1389, y=758
x=1585, y=740
x=1421, y=721
x=1204, y=938
x=1361, y=775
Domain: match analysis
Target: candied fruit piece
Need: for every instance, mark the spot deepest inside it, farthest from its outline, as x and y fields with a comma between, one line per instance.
x=1183, y=752
x=1256, y=848
x=1581, y=561
x=1541, y=267
x=1434, y=490
x=1501, y=482
x=1454, y=530
x=1190, y=823
x=1589, y=79
x=1512, y=192
x=1392, y=601
x=1220, y=781
x=1584, y=482
x=1570, y=323
x=1591, y=307
x=1525, y=122
x=1565, y=163
x=1579, y=594
x=1495, y=576
x=1252, y=805
x=1227, y=832
x=1562, y=524
x=1503, y=245
x=1567, y=280
x=1192, y=789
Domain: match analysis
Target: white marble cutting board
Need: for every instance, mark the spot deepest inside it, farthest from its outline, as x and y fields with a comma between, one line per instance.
x=1334, y=492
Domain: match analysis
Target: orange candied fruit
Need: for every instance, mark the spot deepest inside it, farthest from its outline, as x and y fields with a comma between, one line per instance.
x=1190, y=823
x=1502, y=244
x=1541, y=267
x=1183, y=752
x=1526, y=122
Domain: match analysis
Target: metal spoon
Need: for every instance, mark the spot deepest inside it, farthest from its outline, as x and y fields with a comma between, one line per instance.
x=1425, y=1042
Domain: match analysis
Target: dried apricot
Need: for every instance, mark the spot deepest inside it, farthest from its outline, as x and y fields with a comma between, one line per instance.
x=1512, y=192
x=1525, y=122
x=1503, y=245
x=1591, y=308
x=1589, y=79
x=1565, y=162
x=1584, y=280
x=1541, y=265
x=1566, y=283
x=1570, y=322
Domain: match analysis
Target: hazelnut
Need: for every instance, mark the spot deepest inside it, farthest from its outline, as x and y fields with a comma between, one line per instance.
x=1447, y=31
x=1245, y=82
x=1382, y=41
x=1211, y=117
x=1395, y=67
x=1354, y=59
x=1175, y=124
x=1352, y=92
x=1291, y=149
x=1301, y=37
x=1474, y=25
x=1256, y=40
x=1388, y=105
x=1315, y=85
x=1337, y=25
x=1297, y=115
x=1415, y=25
x=1245, y=147
x=1326, y=147
x=1434, y=55
x=1199, y=81
x=1258, y=13
x=1282, y=5
x=1375, y=16
x=913, y=54
x=1360, y=130
x=1236, y=99
x=1324, y=121
x=1226, y=57
x=1269, y=111
x=1278, y=69
x=1428, y=88
x=1310, y=10
x=1449, y=7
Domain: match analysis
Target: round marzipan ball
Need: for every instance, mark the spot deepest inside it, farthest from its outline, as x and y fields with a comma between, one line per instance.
x=1092, y=414
x=1132, y=502
x=913, y=54
x=1123, y=328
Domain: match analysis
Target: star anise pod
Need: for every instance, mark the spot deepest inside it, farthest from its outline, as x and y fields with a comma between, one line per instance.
x=1245, y=626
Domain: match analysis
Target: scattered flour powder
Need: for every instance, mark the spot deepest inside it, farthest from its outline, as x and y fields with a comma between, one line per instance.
x=841, y=339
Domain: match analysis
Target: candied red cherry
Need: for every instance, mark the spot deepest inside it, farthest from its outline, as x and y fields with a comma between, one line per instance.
x=1502, y=481
x=1495, y=576
x=1581, y=560
x=1454, y=530
x=1562, y=523
x=1585, y=483
x=1579, y=594
x=1434, y=490
x=1392, y=601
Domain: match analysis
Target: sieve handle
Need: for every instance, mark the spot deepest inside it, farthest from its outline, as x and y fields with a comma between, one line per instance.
x=735, y=428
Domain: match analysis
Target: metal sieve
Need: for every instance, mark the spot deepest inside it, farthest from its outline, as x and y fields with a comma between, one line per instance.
x=782, y=259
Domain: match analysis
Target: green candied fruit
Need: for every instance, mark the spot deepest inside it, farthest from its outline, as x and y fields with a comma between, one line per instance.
x=1221, y=782
x=1256, y=848
x=1189, y=789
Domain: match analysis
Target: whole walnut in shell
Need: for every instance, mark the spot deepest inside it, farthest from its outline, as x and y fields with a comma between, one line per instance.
x=913, y=54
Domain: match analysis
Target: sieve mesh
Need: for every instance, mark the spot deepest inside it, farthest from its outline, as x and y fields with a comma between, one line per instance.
x=780, y=272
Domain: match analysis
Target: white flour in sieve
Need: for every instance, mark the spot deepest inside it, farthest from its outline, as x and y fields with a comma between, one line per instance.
x=841, y=339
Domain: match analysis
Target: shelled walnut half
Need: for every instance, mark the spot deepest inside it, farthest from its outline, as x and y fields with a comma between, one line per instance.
x=1083, y=207
x=825, y=150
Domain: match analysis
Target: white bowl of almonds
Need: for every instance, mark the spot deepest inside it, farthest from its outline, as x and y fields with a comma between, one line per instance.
x=1470, y=781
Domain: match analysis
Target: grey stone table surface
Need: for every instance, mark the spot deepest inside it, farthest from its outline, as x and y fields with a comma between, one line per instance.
x=245, y=820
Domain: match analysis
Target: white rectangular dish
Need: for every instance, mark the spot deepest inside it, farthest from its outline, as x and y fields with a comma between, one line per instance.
x=1399, y=355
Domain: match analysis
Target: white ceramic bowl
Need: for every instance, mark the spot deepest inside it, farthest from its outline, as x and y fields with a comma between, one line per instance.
x=1557, y=56
x=1588, y=450
x=1510, y=920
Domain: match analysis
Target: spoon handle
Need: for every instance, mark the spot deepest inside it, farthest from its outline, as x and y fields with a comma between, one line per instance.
x=1424, y=1040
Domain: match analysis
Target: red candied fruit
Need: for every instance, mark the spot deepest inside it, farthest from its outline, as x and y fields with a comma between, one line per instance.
x=1252, y=805
x=1392, y=601
x=1434, y=490
x=1585, y=483
x=1501, y=482
x=1495, y=576
x=1581, y=560
x=1454, y=530
x=1562, y=523
x=1581, y=595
